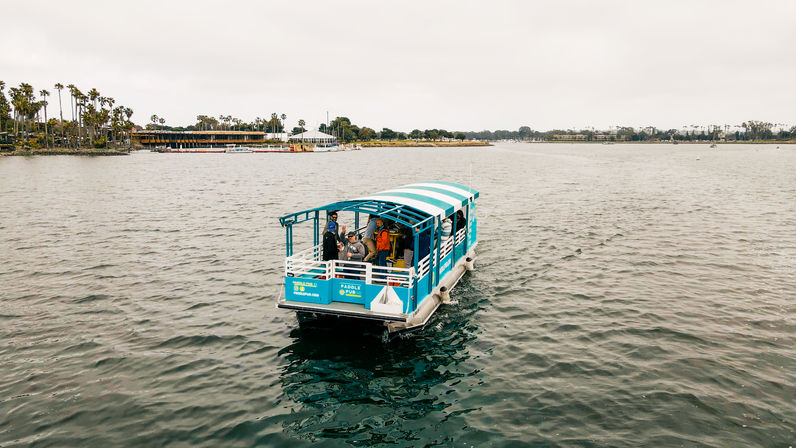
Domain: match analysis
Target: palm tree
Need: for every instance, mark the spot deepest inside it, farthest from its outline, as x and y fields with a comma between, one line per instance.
x=301, y=124
x=72, y=89
x=129, y=125
x=273, y=122
x=59, y=87
x=44, y=94
x=283, y=117
x=3, y=104
x=154, y=120
x=93, y=94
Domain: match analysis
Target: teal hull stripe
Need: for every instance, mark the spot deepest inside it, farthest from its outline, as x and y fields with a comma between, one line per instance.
x=462, y=199
x=448, y=209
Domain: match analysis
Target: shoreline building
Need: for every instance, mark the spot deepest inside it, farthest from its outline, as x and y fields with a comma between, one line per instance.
x=198, y=139
x=316, y=137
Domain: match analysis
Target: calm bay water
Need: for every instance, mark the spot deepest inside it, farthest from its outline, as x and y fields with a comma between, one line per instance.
x=624, y=295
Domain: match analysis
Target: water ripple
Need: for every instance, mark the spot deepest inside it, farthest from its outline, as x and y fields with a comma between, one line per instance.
x=623, y=296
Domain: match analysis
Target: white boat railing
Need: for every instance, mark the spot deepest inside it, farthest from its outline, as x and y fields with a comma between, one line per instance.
x=308, y=263
x=446, y=247
x=423, y=266
x=373, y=275
x=461, y=235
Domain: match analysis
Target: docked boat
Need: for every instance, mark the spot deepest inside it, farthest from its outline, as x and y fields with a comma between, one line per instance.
x=234, y=149
x=435, y=221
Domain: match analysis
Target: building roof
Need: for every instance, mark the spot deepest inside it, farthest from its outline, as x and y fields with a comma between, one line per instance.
x=312, y=135
x=164, y=131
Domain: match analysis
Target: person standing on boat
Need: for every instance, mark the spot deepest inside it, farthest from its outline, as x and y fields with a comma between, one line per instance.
x=369, y=238
x=330, y=249
x=339, y=232
x=408, y=242
x=352, y=251
x=382, y=242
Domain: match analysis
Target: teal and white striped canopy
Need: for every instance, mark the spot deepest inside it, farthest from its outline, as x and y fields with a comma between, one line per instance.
x=435, y=198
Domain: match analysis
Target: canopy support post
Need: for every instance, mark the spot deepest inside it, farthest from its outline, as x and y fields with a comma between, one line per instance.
x=315, y=233
x=288, y=240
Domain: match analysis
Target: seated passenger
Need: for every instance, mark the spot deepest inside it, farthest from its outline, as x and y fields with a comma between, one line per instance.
x=446, y=227
x=461, y=221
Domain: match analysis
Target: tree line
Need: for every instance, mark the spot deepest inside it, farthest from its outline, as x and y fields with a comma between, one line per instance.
x=93, y=119
x=752, y=130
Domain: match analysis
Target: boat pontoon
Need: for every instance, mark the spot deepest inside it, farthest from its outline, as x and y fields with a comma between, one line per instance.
x=437, y=222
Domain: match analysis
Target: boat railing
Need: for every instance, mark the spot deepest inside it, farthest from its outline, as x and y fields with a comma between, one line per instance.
x=307, y=268
x=461, y=235
x=423, y=266
x=307, y=264
x=373, y=275
x=446, y=247
x=312, y=253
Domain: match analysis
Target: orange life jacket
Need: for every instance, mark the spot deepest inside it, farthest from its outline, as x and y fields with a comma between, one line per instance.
x=383, y=239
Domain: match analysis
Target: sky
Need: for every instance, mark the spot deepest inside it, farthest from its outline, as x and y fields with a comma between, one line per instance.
x=455, y=65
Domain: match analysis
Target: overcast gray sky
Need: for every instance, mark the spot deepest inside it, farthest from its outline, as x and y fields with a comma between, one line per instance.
x=457, y=65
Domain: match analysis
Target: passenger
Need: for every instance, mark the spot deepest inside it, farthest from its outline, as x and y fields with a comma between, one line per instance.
x=353, y=250
x=446, y=228
x=339, y=232
x=330, y=249
x=409, y=246
x=461, y=221
x=369, y=238
x=382, y=242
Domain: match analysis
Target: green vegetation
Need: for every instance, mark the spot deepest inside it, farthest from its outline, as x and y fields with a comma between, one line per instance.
x=94, y=123
x=749, y=131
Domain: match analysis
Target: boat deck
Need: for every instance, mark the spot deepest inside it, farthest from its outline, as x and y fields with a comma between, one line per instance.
x=341, y=309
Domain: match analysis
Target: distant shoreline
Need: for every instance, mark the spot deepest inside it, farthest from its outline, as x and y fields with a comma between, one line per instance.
x=421, y=144
x=679, y=142
x=392, y=144
x=67, y=152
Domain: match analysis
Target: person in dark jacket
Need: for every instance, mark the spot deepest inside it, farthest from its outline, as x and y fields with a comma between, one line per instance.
x=330, y=249
x=461, y=221
x=339, y=231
